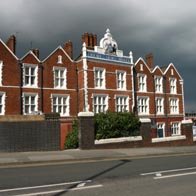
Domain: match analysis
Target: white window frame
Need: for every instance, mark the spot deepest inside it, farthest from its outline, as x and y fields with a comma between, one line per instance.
x=100, y=103
x=175, y=128
x=99, y=78
x=143, y=105
x=174, y=105
x=158, y=81
x=121, y=80
x=173, y=85
x=2, y=103
x=30, y=76
x=62, y=104
x=59, y=78
x=161, y=125
x=1, y=73
x=159, y=105
x=30, y=111
x=122, y=103
x=142, y=83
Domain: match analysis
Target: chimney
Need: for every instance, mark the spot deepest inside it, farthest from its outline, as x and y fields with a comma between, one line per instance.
x=68, y=47
x=11, y=43
x=150, y=60
x=36, y=52
x=90, y=40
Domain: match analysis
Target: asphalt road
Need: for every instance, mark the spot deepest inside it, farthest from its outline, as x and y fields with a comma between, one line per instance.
x=159, y=176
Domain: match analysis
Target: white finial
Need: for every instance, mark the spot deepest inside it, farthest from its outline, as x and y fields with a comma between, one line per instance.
x=84, y=44
x=108, y=30
x=131, y=56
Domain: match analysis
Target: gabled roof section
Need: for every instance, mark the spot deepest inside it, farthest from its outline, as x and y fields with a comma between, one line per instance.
x=157, y=67
x=172, y=65
x=141, y=59
x=31, y=53
x=58, y=48
x=9, y=50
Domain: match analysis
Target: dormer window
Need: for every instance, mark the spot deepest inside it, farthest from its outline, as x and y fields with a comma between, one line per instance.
x=60, y=59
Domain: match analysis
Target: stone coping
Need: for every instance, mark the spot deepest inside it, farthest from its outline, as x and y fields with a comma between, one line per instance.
x=167, y=139
x=118, y=140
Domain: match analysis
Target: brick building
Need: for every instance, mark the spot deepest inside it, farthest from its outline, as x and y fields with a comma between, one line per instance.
x=102, y=78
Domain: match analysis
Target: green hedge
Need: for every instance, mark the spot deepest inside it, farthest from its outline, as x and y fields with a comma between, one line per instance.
x=72, y=137
x=114, y=125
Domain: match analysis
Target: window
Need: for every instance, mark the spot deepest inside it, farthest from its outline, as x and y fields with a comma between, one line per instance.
x=2, y=103
x=173, y=86
x=174, y=108
x=60, y=77
x=175, y=128
x=142, y=83
x=158, y=84
x=122, y=104
x=143, y=105
x=60, y=104
x=159, y=105
x=160, y=129
x=121, y=80
x=30, y=103
x=30, y=73
x=100, y=103
x=1, y=72
x=99, y=78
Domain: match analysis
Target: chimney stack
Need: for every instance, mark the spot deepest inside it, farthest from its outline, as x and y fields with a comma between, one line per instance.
x=68, y=47
x=36, y=52
x=150, y=60
x=11, y=43
x=90, y=40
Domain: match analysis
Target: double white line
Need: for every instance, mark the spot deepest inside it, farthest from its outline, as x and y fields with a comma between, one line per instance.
x=158, y=174
x=80, y=185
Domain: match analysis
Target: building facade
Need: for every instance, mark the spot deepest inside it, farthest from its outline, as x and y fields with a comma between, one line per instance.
x=101, y=79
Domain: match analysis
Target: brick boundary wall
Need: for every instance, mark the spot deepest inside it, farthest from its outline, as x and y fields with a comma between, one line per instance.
x=28, y=134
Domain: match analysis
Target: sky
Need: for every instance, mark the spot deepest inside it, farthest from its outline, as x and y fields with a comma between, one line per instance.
x=167, y=28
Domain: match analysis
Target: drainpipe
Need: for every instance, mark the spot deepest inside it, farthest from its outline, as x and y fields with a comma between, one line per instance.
x=183, y=107
x=20, y=85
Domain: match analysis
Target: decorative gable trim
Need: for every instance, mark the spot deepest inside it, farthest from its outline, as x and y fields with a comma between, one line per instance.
x=157, y=67
x=141, y=59
x=172, y=65
x=9, y=50
x=58, y=48
x=30, y=52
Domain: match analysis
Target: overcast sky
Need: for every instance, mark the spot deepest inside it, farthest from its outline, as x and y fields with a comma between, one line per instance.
x=167, y=28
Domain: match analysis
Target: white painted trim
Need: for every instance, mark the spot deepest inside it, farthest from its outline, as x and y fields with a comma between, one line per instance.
x=9, y=50
x=167, y=139
x=157, y=67
x=136, y=63
x=172, y=65
x=118, y=140
x=59, y=47
x=187, y=121
x=30, y=52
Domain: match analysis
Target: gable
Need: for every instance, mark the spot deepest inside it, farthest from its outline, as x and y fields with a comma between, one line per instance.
x=172, y=71
x=141, y=66
x=30, y=58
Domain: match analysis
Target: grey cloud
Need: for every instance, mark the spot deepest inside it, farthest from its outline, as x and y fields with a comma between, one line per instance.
x=164, y=27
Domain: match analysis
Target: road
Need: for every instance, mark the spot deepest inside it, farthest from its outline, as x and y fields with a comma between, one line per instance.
x=168, y=175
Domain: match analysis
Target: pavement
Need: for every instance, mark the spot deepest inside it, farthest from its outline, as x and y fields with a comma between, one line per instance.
x=77, y=155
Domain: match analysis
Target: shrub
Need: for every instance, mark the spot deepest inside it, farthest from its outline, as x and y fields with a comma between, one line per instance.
x=113, y=125
x=72, y=137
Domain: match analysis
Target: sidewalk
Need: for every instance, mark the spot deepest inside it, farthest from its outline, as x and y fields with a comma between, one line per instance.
x=75, y=155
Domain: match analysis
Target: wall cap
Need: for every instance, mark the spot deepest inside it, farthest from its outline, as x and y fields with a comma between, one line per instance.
x=187, y=121
x=85, y=114
x=145, y=120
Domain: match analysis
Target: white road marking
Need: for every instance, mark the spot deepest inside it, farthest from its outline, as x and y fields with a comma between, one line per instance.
x=167, y=171
x=175, y=175
x=44, y=186
x=61, y=190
